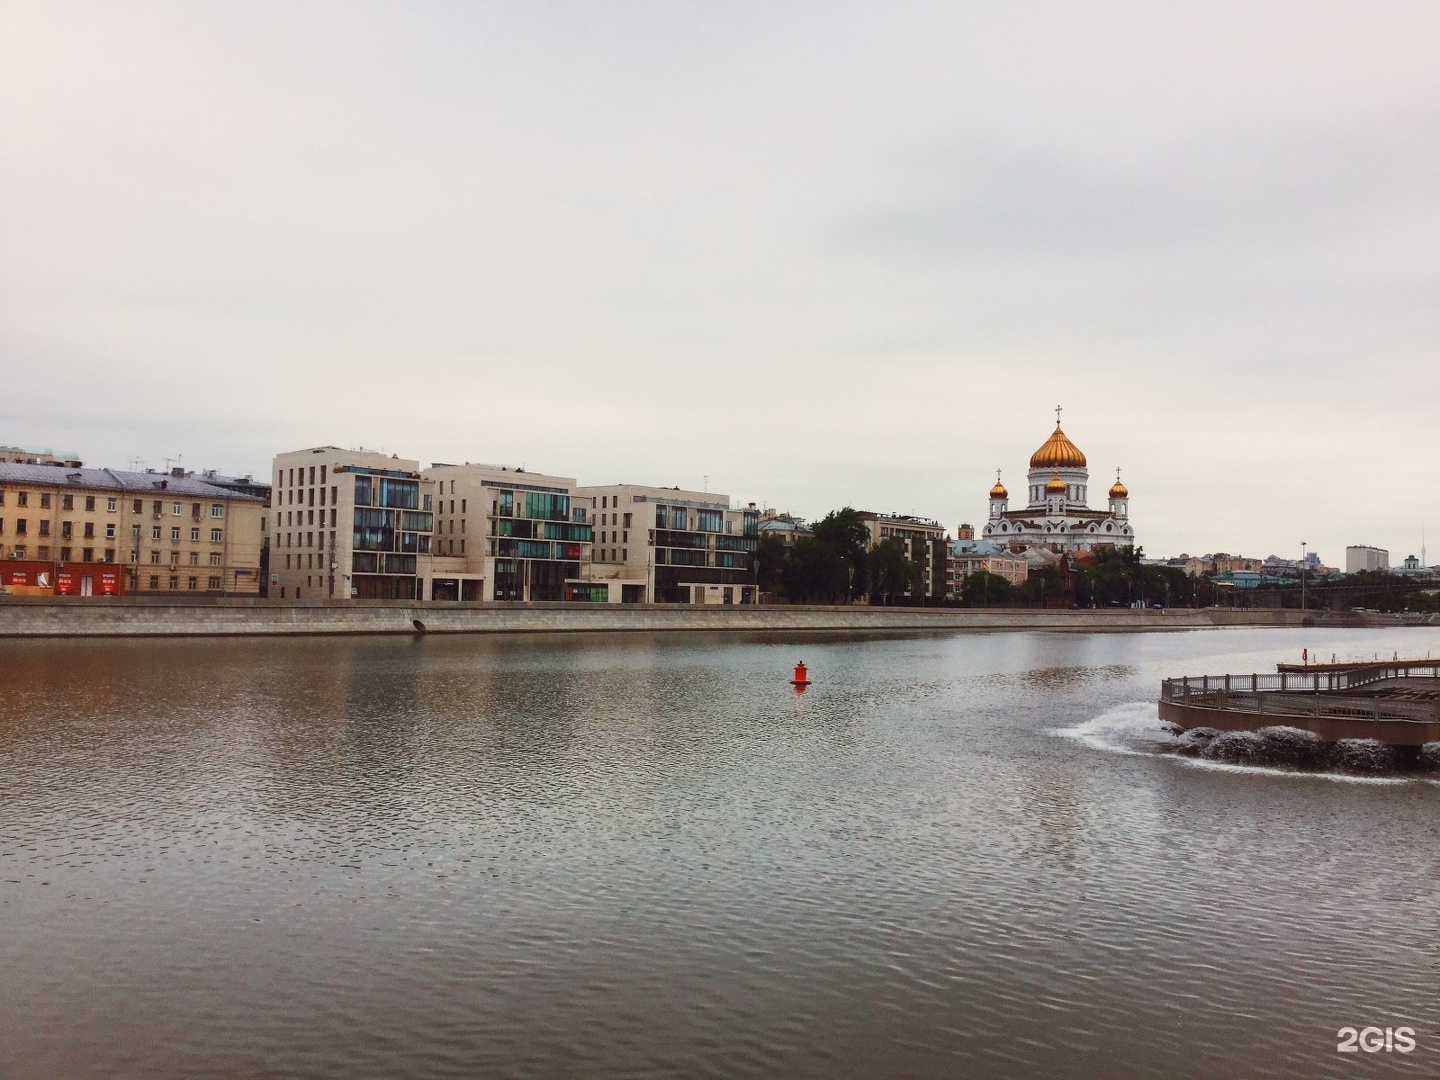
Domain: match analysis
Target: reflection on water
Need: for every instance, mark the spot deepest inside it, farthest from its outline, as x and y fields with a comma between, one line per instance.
x=646, y=855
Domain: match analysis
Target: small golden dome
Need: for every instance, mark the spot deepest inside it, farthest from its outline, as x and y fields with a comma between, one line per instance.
x=998, y=491
x=1118, y=490
x=1056, y=486
x=1058, y=453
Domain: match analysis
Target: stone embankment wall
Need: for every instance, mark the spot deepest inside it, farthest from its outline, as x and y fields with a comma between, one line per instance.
x=131, y=616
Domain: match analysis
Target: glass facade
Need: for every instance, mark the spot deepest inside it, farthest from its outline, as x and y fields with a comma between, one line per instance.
x=389, y=532
x=547, y=505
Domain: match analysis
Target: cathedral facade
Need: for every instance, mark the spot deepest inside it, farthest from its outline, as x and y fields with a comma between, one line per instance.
x=1057, y=517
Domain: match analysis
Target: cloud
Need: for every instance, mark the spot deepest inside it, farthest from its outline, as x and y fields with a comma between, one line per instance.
x=822, y=254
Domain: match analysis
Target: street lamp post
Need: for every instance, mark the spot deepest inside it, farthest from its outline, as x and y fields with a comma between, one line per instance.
x=1302, y=575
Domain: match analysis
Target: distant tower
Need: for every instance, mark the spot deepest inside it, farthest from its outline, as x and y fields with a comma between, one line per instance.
x=1119, y=499
x=965, y=532
x=999, y=498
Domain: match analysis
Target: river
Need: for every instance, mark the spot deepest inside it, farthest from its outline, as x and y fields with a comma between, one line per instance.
x=957, y=854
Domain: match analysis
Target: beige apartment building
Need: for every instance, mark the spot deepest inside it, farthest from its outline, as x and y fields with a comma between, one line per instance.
x=171, y=532
x=503, y=533
x=668, y=546
x=926, y=546
x=349, y=524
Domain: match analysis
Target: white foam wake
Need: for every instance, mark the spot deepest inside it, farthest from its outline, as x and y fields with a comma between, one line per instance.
x=1132, y=728
x=1135, y=728
x=1299, y=774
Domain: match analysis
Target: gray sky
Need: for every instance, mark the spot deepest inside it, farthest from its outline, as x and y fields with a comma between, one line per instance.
x=820, y=253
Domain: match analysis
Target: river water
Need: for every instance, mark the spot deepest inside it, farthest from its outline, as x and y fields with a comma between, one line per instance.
x=647, y=856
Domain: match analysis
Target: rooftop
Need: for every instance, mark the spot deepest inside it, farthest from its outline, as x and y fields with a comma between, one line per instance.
x=148, y=483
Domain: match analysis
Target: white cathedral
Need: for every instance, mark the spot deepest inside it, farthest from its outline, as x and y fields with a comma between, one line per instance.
x=1058, y=519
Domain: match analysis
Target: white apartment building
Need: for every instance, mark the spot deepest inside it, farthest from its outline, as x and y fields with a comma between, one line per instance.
x=669, y=546
x=1361, y=557
x=349, y=524
x=502, y=533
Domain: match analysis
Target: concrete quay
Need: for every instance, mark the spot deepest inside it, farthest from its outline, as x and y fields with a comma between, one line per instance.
x=30, y=617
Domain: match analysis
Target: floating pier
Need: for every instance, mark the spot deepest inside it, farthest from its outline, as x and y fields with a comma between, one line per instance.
x=1396, y=702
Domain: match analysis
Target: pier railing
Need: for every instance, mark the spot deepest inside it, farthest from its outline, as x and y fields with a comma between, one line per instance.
x=1318, y=693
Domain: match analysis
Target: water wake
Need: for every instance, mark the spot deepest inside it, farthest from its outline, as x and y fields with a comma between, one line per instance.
x=1131, y=728
x=1134, y=728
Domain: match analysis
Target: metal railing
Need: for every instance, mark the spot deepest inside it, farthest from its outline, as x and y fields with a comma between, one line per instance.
x=1319, y=693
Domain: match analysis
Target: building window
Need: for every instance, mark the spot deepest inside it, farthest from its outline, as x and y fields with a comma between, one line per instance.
x=109, y=554
x=112, y=505
x=135, y=532
x=22, y=498
x=43, y=552
x=138, y=506
x=44, y=527
x=154, y=532
x=194, y=534
x=89, y=502
x=194, y=558
x=214, y=583
x=192, y=583
x=64, y=554
x=44, y=500
x=110, y=531
x=67, y=502
x=175, y=533
x=89, y=530
x=175, y=509
x=174, y=582
x=214, y=558
x=88, y=554
x=154, y=581
x=154, y=556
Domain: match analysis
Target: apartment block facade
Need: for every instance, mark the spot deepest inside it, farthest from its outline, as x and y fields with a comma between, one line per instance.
x=970, y=556
x=502, y=533
x=668, y=546
x=349, y=524
x=108, y=531
x=1360, y=557
x=926, y=545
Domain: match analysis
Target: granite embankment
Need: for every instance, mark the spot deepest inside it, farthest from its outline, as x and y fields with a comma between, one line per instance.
x=131, y=616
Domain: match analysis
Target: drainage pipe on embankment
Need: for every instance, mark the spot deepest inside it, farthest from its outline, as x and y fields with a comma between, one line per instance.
x=143, y=616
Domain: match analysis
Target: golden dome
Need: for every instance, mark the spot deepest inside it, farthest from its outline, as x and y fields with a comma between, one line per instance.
x=1118, y=490
x=1058, y=453
x=998, y=491
x=1056, y=486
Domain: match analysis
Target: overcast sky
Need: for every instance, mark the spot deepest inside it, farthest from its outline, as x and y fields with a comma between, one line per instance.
x=822, y=254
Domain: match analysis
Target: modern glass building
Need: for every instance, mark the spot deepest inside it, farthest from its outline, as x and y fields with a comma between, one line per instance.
x=349, y=524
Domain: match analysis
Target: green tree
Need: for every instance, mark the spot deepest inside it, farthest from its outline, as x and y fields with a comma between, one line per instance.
x=771, y=555
x=890, y=570
x=815, y=573
x=1045, y=583
x=984, y=589
x=846, y=534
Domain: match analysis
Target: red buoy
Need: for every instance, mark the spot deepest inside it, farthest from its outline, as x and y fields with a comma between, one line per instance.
x=802, y=677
